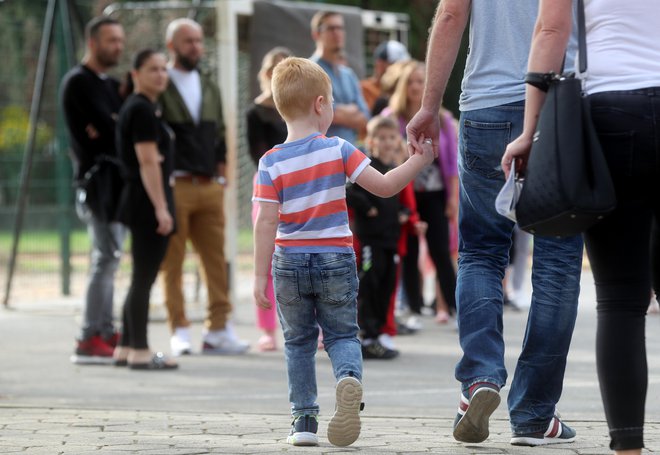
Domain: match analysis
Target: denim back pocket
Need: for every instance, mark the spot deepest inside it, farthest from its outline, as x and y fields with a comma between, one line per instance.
x=340, y=284
x=483, y=146
x=285, y=283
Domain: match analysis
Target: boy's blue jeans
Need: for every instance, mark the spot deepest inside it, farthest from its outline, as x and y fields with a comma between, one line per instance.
x=312, y=290
x=484, y=244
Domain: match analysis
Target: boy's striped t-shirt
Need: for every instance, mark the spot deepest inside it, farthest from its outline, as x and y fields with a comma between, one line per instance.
x=307, y=177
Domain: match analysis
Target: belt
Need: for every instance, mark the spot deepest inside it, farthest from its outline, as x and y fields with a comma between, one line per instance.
x=195, y=179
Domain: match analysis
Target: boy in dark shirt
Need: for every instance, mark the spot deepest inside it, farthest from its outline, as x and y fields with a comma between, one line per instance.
x=377, y=223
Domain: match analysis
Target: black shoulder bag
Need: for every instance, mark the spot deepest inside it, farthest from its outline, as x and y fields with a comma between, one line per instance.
x=567, y=186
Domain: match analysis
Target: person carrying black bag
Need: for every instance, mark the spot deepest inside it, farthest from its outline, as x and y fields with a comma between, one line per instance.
x=91, y=102
x=623, y=84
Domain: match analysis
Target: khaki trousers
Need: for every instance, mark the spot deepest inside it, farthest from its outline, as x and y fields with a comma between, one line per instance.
x=200, y=218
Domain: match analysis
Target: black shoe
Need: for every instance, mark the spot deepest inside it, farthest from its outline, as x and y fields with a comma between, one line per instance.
x=402, y=329
x=376, y=350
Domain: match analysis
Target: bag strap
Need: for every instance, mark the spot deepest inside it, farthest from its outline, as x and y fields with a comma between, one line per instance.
x=582, y=37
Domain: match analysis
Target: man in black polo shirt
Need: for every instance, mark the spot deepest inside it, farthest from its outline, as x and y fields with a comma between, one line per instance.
x=91, y=102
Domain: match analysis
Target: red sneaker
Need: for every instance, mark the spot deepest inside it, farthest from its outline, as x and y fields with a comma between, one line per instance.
x=113, y=340
x=93, y=350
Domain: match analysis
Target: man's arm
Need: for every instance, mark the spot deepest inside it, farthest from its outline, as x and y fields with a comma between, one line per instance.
x=356, y=114
x=449, y=23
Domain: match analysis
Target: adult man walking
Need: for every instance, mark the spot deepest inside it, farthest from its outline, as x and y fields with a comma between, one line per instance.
x=91, y=102
x=193, y=108
x=351, y=112
x=492, y=104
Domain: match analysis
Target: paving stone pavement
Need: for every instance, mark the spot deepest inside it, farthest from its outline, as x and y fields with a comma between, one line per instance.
x=238, y=405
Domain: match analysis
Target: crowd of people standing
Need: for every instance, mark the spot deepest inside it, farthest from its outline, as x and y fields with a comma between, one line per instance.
x=412, y=175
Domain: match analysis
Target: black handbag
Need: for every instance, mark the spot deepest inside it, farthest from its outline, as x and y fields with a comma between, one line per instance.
x=567, y=186
x=102, y=186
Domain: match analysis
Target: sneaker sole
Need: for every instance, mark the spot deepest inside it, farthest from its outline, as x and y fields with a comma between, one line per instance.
x=303, y=439
x=91, y=360
x=344, y=427
x=473, y=426
x=533, y=442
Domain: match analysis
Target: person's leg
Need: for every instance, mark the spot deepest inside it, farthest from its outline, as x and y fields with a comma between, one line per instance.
x=484, y=242
x=619, y=252
x=371, y=267
x=106, y=241
x=538, y=379
x=207, y=232
x=411, y=276
x=296, y=310
x=334, y=281
x=437, y=237
x=172, y=265
x=622, y=280
x=148, y=249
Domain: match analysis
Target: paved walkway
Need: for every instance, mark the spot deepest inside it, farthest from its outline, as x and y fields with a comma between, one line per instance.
x=238, y=405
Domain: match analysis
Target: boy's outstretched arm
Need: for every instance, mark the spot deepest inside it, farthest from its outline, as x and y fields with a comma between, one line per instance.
x=265, y=229
x=393, y=182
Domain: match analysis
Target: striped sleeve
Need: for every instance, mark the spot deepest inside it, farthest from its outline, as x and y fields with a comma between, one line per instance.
x=264, y=189
x=354, y=160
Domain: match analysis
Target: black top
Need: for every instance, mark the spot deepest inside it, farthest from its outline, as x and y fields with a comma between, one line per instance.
x=265, y=129
x=140, y=121
x=89, y=100
x=383, y=229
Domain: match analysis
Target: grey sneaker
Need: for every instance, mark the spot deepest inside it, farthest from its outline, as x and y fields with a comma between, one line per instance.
x=224, y=342
x=344, y=427
x=303, y=431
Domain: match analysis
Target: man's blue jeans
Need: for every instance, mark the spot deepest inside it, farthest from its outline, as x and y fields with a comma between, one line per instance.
x=484, y=243
x=107, y=241
x=312, y=290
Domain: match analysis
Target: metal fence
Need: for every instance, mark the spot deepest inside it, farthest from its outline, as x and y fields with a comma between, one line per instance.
x=53, y=252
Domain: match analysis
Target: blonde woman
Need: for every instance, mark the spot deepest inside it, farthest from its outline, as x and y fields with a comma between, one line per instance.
x=436, y=194
x=265, y=128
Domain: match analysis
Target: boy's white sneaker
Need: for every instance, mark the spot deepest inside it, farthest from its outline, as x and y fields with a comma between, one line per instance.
x=344, y=427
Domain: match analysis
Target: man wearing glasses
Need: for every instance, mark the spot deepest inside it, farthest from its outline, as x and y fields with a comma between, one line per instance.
x=351, y=111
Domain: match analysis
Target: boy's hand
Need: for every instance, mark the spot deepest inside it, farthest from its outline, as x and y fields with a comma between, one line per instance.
x=429, y=151
x=260, y=283
x=420, y=228
x=425, y=123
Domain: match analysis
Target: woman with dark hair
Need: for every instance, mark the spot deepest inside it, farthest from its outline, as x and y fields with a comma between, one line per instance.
x=623, y=85
x=146, y=206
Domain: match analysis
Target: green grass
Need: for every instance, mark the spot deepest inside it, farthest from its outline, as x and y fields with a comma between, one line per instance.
x=48, y=242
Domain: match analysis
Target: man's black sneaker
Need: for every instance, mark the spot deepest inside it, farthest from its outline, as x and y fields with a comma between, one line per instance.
x=303, y=431
x=375, y=350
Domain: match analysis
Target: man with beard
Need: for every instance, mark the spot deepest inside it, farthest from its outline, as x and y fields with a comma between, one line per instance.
x=351, y=111
x=193, y=108
x=91, y=101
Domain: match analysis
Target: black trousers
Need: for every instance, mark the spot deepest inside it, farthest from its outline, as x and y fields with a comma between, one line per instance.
x=431, y=208
x=628, y=125
x=148, y=250
x=377, y=274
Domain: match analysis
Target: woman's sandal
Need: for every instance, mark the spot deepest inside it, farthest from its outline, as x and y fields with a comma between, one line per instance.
x=157, y=362
x=267, y=343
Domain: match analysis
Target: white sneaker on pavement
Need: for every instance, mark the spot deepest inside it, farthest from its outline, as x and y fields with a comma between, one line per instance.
x=223, y=342
x=180, y=342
